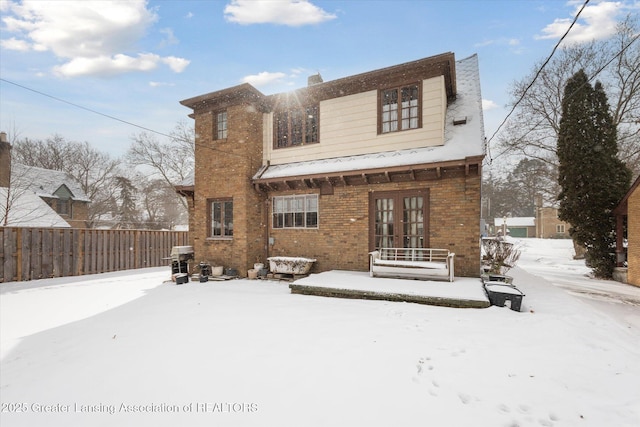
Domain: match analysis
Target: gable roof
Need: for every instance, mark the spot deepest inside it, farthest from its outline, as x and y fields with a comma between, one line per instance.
x=463, y=143
x=46, y=182
x=29, y=210
x=519, y=221
x=623, y=206
x=421, y=69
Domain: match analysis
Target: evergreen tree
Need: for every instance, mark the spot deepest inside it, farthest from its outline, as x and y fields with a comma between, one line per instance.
x=127, y=211
x=591, y=177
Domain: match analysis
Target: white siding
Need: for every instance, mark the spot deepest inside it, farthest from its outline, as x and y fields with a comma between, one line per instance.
x=348, y=126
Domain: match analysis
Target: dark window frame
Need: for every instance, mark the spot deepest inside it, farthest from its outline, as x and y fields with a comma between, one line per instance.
x=218, y=133
x=220, y=206
x=399, y=120
x=64, y=208
x=295, y=127
x=398, y=222
x=297, y=211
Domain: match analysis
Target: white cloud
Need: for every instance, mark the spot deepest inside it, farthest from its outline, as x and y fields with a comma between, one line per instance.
x=487, y=105
x=15, y=44
x=169, y=38
x=94, y=37
x=293, y=13
x=264, y=78
x=177, y=65
x=596, y=22
x=107, y=65
x=159, y=84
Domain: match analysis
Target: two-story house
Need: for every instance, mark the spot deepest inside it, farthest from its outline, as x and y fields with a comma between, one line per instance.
x=387, y=158
x=37, y=197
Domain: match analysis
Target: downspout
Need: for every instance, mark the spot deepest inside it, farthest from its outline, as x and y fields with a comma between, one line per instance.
x=267, y=204
x=620, y=258
x=267, y=209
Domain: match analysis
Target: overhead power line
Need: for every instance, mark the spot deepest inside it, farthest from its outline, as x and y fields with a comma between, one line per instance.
x=575, y=19
x=84, y=108
x=572, y=94
x=172, y=137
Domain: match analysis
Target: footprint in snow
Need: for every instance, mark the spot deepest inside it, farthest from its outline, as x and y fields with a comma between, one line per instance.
x=504, y=408
x=524, y=408
x=464, y=398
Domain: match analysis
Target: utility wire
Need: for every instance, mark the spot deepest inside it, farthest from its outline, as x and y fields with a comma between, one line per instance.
x=84, y=108
x=571, y=95
x=575, y=19
x=116, y=118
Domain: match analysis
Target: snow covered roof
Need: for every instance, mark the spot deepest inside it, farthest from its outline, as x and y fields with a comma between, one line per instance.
x=45, y=182
x=27, y=209
x=461, y=141
x=524, y=221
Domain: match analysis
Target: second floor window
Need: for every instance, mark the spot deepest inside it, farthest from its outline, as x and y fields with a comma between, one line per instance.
x=63, y=207
x=296, y=127
x=400, y=109
x=221, y=125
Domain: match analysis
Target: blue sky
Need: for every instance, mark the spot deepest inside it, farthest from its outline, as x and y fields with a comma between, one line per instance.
x=135, y=60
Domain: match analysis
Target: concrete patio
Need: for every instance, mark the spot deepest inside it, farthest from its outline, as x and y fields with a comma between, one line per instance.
x=464, y=292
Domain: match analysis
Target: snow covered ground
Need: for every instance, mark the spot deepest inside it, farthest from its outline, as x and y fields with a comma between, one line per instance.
x=129, y=349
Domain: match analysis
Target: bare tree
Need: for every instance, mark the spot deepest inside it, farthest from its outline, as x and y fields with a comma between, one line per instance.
x=615, y=62
x=54, y=153
x=158, y=206
x=93, y=170
x=171, y=161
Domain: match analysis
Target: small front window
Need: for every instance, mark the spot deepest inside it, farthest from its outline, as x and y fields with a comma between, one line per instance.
x=295, y=211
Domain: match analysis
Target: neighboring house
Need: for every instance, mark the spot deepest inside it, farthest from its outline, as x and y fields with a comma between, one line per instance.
x=629, y=207
x=56, y=189
x=545, y=225
x=548, y=225
x=27, y=210
x=524, y=226
x=387, y=158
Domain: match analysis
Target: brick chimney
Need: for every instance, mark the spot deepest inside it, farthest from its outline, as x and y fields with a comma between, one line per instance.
x=314, y=80
x=5, y=160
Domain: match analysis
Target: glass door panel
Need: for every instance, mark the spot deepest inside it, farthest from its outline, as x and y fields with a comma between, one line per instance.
x=399, y=219
x=384, y=223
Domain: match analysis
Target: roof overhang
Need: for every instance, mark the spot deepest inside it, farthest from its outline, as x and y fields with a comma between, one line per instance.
x=185, y=190
x=404, y=173
x=236, y=95
x=623, y=206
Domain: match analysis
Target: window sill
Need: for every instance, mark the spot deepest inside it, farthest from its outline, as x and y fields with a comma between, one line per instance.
x=218, y=239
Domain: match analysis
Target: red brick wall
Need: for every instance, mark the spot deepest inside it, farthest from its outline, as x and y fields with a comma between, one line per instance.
x=342, y=238
x=633, y=236
x=224, y=169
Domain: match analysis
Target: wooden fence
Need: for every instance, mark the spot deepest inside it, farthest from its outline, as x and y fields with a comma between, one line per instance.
x=36, y=253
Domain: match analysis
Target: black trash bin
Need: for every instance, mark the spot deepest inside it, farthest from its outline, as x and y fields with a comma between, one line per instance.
x=205, y=271
x=501, y=294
